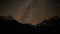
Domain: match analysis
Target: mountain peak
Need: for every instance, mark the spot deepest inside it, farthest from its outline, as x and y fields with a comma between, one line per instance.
x=51, y=21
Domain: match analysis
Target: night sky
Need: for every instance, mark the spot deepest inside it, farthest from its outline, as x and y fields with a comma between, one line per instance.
x=30, y=11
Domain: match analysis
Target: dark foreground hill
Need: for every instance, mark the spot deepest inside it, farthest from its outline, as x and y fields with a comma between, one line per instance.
x=8, y=25
x=51, y=25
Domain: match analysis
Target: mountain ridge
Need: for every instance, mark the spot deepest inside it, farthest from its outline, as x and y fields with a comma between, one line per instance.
x=13, y=26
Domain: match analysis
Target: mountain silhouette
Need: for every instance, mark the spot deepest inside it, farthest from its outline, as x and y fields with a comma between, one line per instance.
x=9, y=25
x=51, y=25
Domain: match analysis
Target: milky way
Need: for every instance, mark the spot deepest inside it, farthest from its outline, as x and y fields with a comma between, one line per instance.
x=30, y=11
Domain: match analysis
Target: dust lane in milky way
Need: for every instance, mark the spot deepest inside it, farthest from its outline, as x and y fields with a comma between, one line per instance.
x=30, y=11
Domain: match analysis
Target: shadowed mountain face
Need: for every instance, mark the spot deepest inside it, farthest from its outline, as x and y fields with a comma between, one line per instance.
x=51, y=25
x=11, y=26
